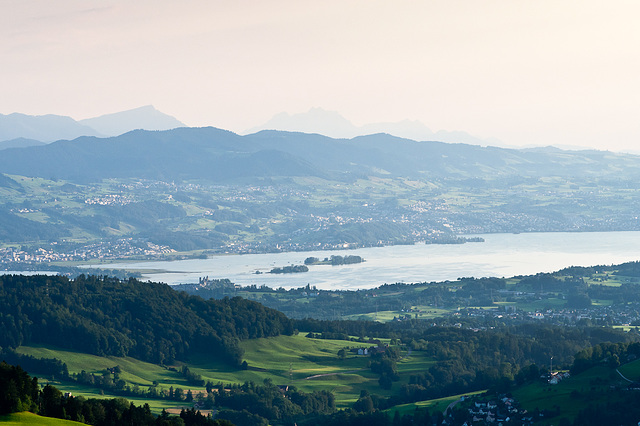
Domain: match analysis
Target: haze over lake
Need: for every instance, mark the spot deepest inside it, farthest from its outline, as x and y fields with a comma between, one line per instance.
x=501, y=255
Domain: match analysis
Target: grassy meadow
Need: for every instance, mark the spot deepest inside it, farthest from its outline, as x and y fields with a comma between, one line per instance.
x=308, y=364
x=27, y=418
x=438, y=404
x=593, y=386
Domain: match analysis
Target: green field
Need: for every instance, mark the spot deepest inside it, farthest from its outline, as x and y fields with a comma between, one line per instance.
x=631, y=370
x=427, y=312
x=439, y=404
x=574, y=394
x=33, y=419
x=308, y=364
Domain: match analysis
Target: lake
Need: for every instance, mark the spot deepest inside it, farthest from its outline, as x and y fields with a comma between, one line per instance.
x=501, y=255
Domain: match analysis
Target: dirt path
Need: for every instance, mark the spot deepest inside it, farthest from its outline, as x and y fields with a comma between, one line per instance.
x=334, y=374
x=453, y=404
x=350, y=371
x=618, y=371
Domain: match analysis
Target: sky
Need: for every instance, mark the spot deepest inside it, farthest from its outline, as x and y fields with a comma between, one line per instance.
x=525, y=72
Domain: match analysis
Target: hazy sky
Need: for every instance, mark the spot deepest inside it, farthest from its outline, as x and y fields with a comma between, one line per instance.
x=525, y=72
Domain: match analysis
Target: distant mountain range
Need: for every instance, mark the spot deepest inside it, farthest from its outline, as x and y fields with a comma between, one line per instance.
x=219, y=155
x=43, y=128
x=332, y=124
x=21, y=130
x=145, y=118
x=19, y=143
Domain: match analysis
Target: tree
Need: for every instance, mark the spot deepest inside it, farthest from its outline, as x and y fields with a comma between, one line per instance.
x=614, y=361
x=385, y=381
x=178, y=394
x=364, y=404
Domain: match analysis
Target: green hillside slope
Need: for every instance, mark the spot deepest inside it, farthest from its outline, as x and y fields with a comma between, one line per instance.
x=27, y=418
x=152, y=322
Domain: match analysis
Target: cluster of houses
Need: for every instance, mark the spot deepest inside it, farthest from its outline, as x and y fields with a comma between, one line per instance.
x=380, y=348
x=110, y=200
x=621, y=314
x=501, y=411
x=124, y=247
x=557, y=377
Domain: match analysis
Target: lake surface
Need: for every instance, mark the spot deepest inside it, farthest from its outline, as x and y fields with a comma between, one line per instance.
x=501, y=255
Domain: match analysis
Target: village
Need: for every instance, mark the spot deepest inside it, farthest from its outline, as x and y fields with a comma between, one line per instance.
x=624, y=315
x=106, y=250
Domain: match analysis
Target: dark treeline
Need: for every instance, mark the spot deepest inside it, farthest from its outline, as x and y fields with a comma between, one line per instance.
x=19, y=392
x=291, y=269
x=613, y=354
x=69, y=271
x=50, y=367
x=252, y=404
x=625, y=293
x=344, y=328
x=148, y=321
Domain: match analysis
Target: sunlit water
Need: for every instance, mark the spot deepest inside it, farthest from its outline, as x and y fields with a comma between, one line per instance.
x=501, y=255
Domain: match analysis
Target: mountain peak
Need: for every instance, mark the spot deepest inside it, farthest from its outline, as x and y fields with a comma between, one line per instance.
x=145, y=117
x=332, y=124
x=316, y=120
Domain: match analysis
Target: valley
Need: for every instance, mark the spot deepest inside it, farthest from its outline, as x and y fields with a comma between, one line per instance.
x=319, y=214
x=476, y=337
x=292, y=352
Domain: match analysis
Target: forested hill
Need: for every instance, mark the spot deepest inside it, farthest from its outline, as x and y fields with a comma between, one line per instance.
x=147, y=321
x=218, y=155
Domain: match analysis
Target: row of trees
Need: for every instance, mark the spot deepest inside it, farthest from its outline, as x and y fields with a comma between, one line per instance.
x=19, y=392
x=291, y=269
x=269, y=403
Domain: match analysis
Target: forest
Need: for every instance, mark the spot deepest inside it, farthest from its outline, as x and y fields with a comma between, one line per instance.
x=151, y=322
x=155, y=323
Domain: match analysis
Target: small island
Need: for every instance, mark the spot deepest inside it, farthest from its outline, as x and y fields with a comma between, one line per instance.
x=334, y=260
x=292, y=269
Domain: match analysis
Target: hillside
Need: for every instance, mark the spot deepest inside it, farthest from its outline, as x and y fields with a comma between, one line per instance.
x=91, y=335
x=185, y=153
x=220, y=156
x=26, y=418
x=19, y=143
x=150, y=193
x=151, y=322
